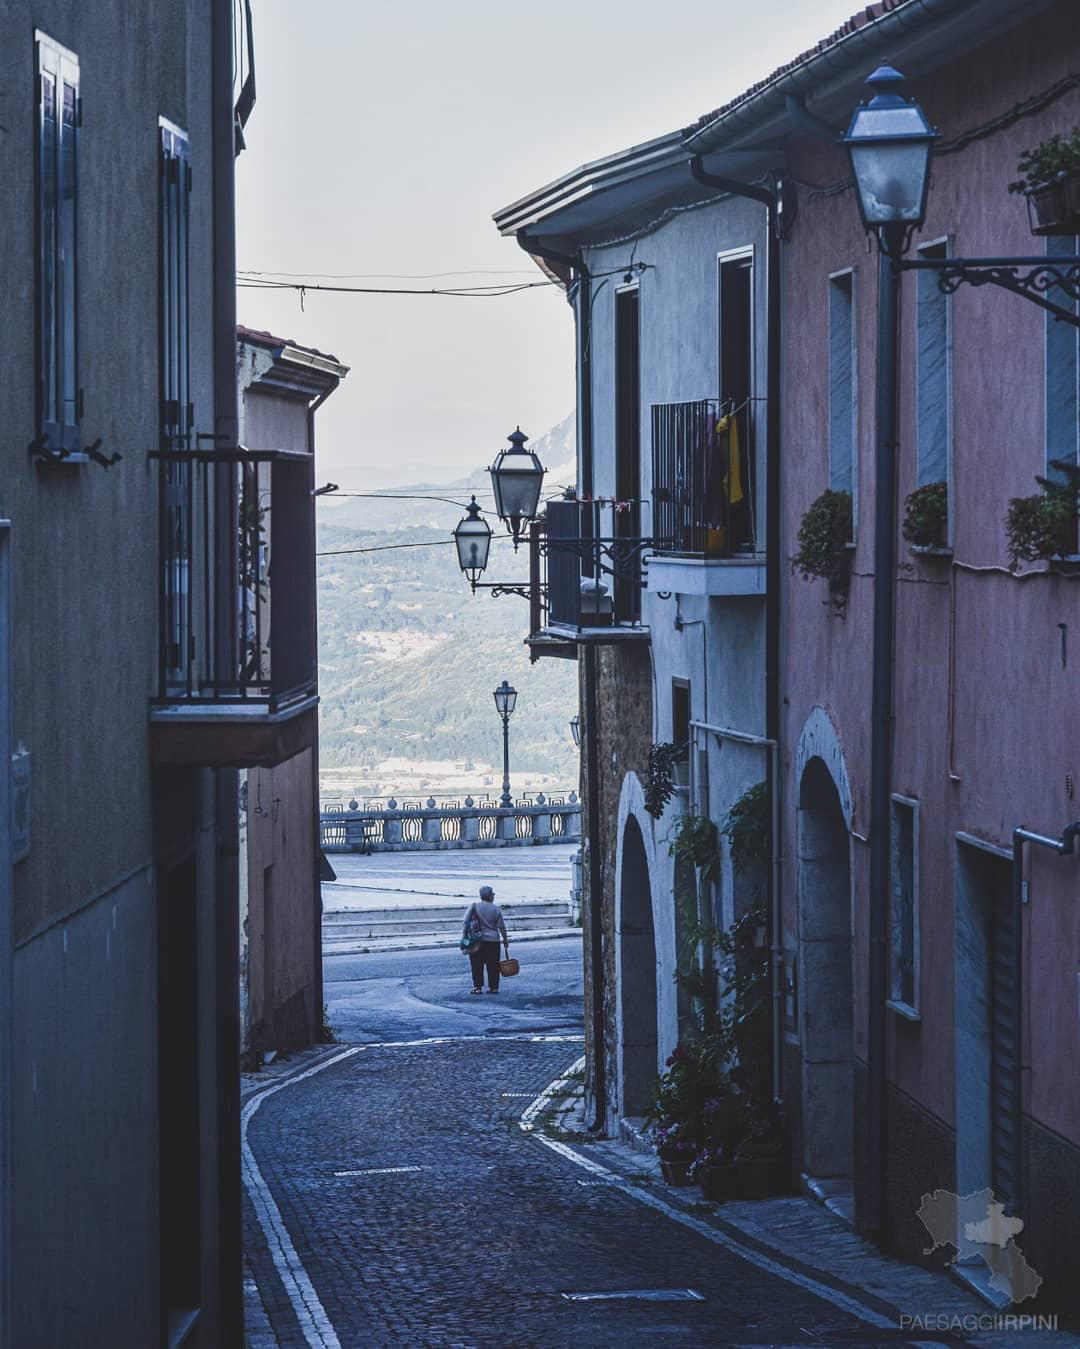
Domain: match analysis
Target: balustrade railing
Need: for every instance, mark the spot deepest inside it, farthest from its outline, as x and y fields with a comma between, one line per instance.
x=390, y=826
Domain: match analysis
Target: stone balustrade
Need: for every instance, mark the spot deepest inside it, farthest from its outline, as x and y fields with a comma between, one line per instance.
x=388, y=827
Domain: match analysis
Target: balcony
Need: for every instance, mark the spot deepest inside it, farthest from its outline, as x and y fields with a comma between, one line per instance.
x=704, y=501
x=236, y=601
x=586, y=576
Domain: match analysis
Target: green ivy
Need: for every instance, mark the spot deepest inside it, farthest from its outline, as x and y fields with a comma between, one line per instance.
x=1041, y=165
x=926, y=516
x=747, y=828
x=1044, y=525
x=660, y=786
x=697, y=840
x=824, y=536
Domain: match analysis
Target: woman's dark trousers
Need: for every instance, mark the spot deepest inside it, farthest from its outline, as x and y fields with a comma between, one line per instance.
x=488, y=955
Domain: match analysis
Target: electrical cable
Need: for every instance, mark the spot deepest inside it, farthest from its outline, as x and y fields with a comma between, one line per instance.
x=252, y=281
x=386, y=547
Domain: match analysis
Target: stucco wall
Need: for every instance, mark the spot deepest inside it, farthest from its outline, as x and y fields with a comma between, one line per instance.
x=985, y=710
x=283, y=904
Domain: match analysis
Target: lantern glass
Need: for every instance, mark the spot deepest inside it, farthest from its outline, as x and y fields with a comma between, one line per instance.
x=517, y=476
x=575, y=728
x=473, y=540
x=505, y=698
x=889, y=141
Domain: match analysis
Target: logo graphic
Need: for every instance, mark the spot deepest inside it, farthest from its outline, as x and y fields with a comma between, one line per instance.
x=977, y=1225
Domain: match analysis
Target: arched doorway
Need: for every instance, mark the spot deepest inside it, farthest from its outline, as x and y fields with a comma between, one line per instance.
x=825, y=944
x=637, y=975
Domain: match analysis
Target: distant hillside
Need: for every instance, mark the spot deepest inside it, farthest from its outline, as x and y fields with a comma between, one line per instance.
x=408, y=658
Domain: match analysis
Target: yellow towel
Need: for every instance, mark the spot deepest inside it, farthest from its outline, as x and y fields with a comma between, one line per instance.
x=728, y=425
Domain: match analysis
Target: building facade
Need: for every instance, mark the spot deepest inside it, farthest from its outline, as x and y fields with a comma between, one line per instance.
x=120, y=1188
x=723, y=271
x=281, y=386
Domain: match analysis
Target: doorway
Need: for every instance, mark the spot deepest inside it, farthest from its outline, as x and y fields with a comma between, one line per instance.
x=987, y=1026
x=637, y=975
x=827, y=1013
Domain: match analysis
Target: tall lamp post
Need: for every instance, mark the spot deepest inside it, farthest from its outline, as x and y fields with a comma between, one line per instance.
x=505, y=699
x=889, y=141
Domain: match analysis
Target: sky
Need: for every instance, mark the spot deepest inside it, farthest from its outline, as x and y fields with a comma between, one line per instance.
x=384, y=136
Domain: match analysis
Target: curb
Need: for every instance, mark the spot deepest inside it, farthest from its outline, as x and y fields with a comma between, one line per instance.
x=377, y=945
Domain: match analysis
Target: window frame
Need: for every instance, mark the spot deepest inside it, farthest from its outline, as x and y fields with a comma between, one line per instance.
x=743, y=256
x=850, y=274
x=936, y=248
x=57, y=331
x=910, y=1011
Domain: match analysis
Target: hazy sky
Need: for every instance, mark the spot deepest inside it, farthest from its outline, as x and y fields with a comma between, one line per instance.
x=385, y=135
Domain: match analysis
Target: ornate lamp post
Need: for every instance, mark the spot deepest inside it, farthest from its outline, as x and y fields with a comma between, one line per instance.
x=889, y=142
x=505, y=699
x=516, y=478
x=473, y=539
x=575, y=729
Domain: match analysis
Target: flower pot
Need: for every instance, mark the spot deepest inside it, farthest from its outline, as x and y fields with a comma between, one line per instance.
x=755, y=1178
x=675, y=1173
x=1054, y=208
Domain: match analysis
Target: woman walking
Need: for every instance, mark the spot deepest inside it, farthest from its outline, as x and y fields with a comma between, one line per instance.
x=489, y=915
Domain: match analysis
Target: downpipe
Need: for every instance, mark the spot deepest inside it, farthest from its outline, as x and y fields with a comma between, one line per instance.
x=590, y=727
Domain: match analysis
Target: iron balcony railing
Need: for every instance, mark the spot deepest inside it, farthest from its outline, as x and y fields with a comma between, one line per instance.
x=236, y=592
x=703, y=478
x=587, y=563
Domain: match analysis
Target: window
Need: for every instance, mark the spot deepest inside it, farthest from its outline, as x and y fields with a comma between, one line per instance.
x=680, y=712
x=627, y=441
x=842, y=382
x=734, y=458
x=933, y=374
x=1062, y=372
x=57, y=193
x=174, y=194
x=904, y=909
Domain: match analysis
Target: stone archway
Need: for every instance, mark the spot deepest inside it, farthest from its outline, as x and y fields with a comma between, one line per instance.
x=637, y=975
x=826, y=975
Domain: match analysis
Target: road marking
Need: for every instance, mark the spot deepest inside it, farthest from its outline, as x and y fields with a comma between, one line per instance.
x=645, y=1294
x=821, y=1290
x=310, y=1313
x=380, y=1171
x=517, y=1095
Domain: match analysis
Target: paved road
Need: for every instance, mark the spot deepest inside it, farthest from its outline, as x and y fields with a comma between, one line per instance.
x=422, y=1215
x=393, y=1200
x=424, y=992
x=412, y=879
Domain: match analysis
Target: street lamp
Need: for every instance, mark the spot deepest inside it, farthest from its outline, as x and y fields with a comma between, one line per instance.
x=473, y=539
x=575, y=729
x=889, y=142
x=516, y=478
x=505, y=698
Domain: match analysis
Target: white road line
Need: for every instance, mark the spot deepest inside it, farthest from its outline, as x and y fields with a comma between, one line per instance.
x=840, y=1300
x=380, y=1171
x=311, y=1314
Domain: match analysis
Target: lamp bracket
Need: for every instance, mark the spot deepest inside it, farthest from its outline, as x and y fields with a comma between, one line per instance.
x=1030, y=278
x=498, y=588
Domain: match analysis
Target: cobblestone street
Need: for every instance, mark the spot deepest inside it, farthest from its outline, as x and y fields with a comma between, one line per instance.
x=392, y=1197
x=422, y=1214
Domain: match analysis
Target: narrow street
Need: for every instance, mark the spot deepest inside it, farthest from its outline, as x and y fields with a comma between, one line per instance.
x=392, y=1199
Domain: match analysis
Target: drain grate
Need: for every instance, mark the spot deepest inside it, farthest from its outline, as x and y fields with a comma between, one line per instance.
x=639, y=1295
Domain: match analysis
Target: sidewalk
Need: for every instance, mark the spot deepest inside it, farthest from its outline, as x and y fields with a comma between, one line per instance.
x=807, y=1239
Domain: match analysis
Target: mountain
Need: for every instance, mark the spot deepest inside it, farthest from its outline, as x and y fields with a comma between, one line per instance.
x=409, y=658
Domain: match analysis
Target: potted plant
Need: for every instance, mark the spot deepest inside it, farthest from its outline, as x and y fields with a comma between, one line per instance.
x=697, y=840
x=926, y=518
x=747, y=828
x=1050, y=180
x=824, y=538
x=677, y=1155
x=665, y=759
x=1045, y=525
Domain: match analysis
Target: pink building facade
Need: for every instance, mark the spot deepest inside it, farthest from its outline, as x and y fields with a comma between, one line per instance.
x=985, y=713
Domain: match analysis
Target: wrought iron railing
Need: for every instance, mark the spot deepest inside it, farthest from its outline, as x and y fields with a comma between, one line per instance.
x=703, y=479
x=390, y=828
x=236, y=596
x=589, y=562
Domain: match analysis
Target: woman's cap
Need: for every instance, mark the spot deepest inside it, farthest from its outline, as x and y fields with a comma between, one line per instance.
x=486, y=892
